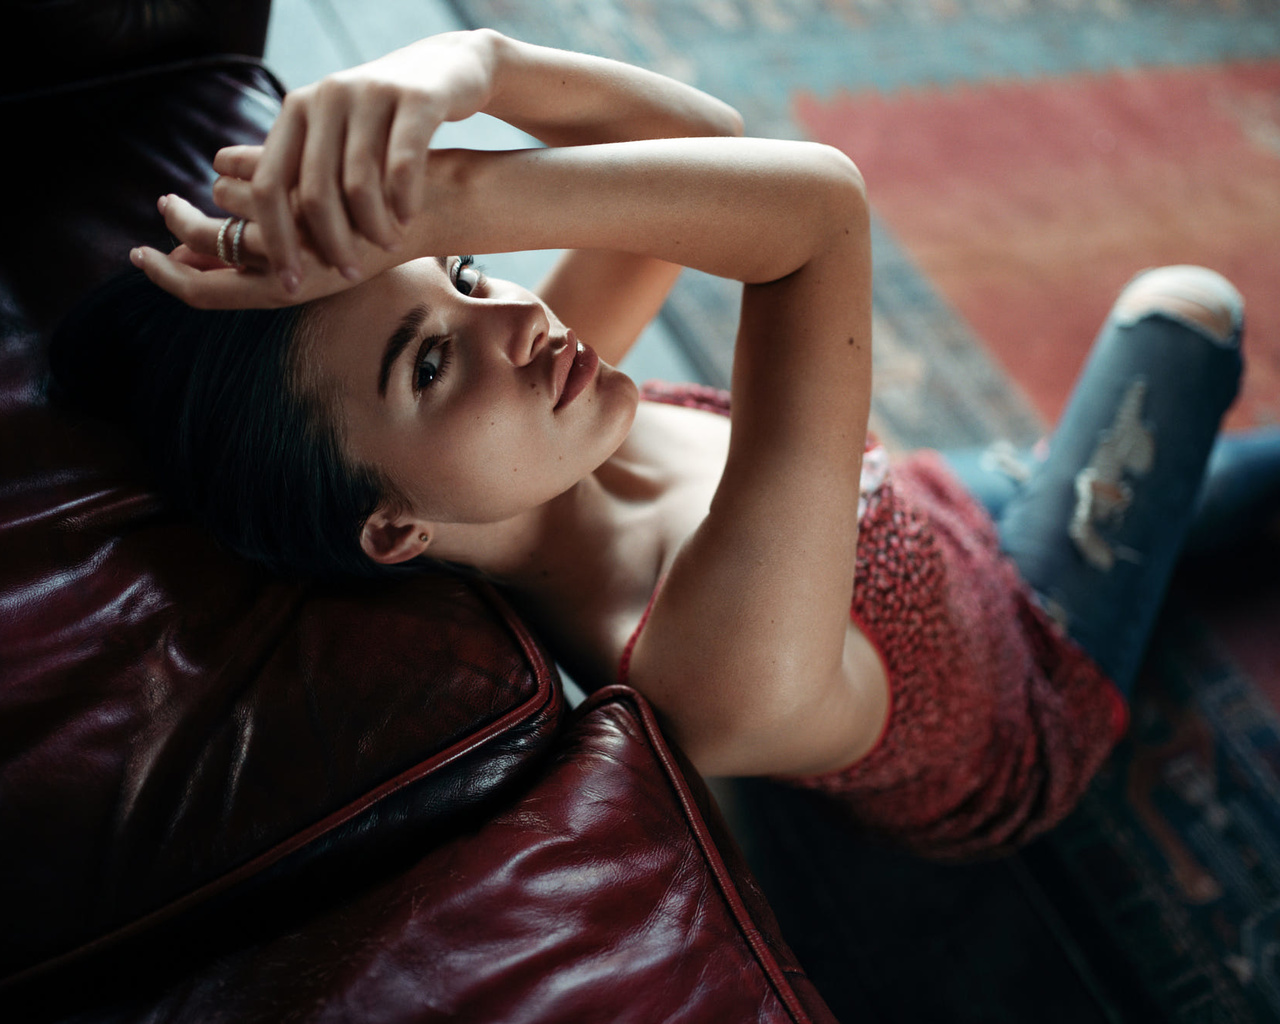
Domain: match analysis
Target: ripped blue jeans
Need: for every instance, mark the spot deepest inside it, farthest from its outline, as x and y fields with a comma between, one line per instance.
x=1097, y=524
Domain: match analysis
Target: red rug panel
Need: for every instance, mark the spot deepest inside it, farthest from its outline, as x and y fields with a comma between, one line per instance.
x=1029, y=204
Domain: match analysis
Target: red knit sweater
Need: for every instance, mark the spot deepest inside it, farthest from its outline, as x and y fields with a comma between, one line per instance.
x=997, y=721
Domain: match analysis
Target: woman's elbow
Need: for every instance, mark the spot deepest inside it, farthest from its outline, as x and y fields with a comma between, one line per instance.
x=846, y=188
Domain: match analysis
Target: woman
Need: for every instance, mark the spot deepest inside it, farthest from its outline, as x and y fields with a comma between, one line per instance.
x=402, y=406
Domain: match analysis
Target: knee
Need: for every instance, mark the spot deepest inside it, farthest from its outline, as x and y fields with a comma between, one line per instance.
x=1201, y=298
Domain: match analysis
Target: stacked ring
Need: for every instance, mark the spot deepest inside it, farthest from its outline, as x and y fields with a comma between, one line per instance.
x=235, y=244
x=234, y=260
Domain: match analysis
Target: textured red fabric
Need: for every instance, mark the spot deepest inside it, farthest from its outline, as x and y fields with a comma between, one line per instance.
x=997, y=721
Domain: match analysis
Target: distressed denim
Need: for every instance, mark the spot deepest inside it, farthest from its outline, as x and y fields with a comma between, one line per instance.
x=1097, y=523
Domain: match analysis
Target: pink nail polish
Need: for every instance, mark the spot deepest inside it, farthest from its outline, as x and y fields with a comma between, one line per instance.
x=135, y=257
x=290, y=280
x=163, y=203
x=351, y=273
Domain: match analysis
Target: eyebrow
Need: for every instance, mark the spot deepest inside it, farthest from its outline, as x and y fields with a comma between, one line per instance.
x=408, y=328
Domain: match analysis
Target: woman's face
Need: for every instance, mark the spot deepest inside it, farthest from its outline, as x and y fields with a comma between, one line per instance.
x=468, y=393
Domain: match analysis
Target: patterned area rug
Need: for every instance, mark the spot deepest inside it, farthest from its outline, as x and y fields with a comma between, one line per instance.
x=1025, y=157
x=1029, y=204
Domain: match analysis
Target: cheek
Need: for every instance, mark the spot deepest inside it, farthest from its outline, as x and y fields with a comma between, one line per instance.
x=494, y=460
x=488, y=466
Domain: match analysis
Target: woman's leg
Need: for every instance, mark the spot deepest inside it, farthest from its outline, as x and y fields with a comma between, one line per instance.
x=1239, y=503
x=1099, y=524
x=1238, y=506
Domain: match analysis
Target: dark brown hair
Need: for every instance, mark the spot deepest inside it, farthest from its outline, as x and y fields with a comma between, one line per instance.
x=220, y=405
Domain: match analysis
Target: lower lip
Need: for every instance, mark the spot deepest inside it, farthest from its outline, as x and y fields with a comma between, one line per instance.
x=581, y=373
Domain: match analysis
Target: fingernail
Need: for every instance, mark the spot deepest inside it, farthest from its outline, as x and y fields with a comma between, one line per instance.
x=135, y=257
x=162, y=203
x=289, y=278
x=351, y=273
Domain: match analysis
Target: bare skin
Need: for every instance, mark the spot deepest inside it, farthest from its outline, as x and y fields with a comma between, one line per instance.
x=582, y=507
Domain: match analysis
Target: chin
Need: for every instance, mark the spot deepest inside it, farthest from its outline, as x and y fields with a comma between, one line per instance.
x=613, y=379
x=619, y=397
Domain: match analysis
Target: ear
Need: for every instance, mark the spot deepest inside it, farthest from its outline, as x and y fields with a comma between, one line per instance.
x=393, y=537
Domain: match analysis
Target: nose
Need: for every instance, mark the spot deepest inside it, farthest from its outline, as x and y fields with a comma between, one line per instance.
x=524, y=331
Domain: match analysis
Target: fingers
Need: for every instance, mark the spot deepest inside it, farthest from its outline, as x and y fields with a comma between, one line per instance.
x=362, y=179
x=320, y=199
x=195, y=273
x=198, y=234
x=237, y=161
x=235, y=195
x=273, y=179
x=206, y=288
x=407, y=142
x=207, y=283
x=201, y=261
x=344, y=162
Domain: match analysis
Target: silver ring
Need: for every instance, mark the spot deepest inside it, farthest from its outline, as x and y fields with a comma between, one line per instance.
x=235, y=244
x=222, y=241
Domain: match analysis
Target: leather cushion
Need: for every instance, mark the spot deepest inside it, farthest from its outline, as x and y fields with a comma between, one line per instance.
x=601, y=894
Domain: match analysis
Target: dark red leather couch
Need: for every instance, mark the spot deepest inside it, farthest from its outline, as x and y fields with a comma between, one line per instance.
x=225, y=796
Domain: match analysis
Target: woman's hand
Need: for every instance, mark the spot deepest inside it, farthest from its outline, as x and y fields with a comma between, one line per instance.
x=345, y=161
x=195, y=272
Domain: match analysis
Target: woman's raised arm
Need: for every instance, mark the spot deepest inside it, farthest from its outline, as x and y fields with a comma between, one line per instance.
x=346, y=167
x=569, y=99
x=354, y=145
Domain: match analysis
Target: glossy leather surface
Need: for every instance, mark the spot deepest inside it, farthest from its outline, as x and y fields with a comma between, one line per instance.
x=599, y=895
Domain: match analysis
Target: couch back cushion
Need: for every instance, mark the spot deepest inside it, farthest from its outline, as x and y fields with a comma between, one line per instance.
x=47, y=42
x=176, y=726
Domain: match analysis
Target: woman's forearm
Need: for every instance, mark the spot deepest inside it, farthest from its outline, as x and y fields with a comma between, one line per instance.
x=572, y=99
x=753, y=210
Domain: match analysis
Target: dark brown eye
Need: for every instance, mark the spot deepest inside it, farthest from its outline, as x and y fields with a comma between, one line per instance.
x=467, y=277
x=432, y=363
